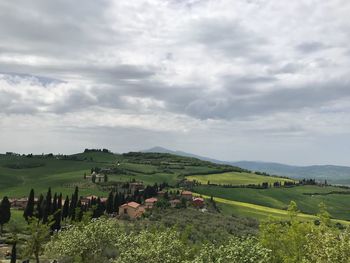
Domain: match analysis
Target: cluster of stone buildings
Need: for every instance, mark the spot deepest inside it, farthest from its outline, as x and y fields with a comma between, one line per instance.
x=131, y=209
x=135, y=210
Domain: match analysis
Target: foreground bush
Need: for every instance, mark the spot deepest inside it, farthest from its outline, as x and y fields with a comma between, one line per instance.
x=305, y=242
x=105, y=241
x=235, y=250
x=293, y=241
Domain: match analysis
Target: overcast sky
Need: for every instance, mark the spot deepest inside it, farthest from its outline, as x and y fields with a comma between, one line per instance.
x=233, y=80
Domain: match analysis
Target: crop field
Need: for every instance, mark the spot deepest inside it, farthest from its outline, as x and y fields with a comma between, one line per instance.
x=235, y=178
x=18, y=174
x=231, y=207
x=307, y=198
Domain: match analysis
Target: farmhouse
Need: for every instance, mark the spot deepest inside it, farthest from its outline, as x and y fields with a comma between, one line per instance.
x=187, y=195
x=149, y=203
x=132, y=209
x=198, y=202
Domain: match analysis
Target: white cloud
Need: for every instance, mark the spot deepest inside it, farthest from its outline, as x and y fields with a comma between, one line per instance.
x=208, y=70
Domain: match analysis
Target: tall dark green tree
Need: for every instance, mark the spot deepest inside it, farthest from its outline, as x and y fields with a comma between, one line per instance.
x=73, y=203
x=5, y=213
x=39, y=207
x=29, y=210
x=59, y=202
x=109, y=203
x=65, y=209
x=14, y=253
x=45, y=211
x=54, y=204
x=48, y=202
x=99, y=208
x=56, y=224
x=79, y=211
x=116, y=203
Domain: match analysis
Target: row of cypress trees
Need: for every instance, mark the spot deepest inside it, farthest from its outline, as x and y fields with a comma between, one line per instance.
x=50, y=208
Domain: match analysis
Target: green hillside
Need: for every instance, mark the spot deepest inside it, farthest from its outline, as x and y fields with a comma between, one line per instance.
x=307, y=197
x=236, y=178
x=62, y=173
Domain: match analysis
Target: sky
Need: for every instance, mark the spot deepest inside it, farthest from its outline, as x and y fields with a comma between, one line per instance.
x=265, y=80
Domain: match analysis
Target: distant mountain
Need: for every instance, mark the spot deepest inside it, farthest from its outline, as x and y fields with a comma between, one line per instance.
x=332, y=173
x=159, y=149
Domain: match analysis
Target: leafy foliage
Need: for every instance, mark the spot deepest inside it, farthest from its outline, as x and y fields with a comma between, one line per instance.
x=307, y=242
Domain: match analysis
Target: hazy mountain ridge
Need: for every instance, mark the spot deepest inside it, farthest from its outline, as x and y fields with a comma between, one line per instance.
x=334, y=174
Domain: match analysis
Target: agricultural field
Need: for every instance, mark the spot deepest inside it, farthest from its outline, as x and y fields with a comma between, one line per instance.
x=234, y=208
x=307, y=197
x=62, y=173
x=236, y=178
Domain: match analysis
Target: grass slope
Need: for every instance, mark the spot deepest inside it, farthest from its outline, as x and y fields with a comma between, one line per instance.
x=236, y=178
x=337, y=204
x=18, y=174
x=260, y=212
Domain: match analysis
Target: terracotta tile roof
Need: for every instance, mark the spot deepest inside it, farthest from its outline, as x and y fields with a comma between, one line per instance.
x=151, y=200
x=186, y=193
x=198, y=199
x=131, y=204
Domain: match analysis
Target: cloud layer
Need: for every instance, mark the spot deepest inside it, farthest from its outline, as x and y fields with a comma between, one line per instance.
x=183, y=74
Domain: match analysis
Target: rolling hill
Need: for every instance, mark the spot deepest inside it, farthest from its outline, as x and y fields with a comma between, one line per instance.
x=334, y=174
x=229, y=185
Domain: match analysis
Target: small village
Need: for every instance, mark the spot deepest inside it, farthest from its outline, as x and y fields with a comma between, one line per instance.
x=132, y=204
x=132, y=209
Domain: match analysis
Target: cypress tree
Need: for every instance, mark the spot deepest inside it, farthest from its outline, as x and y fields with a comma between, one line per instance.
x=57, y=221
x=14, y=253
x=44, y=209
x=79, y=211
x=65, y=210
x=29, y=210
x=59, y=202
x=99, y=209
x=116, y=203
x=39, y=207
x=73, y=203
x=54, y=204
x=5, y=213
x=48, y=206
x=109, y=203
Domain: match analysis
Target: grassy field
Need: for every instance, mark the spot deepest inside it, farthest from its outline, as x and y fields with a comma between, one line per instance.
x=231, y=207
x=338, y=204
x=18, y=174
x=235, y=178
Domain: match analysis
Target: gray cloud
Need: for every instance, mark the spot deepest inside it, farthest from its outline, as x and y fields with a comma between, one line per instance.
x=311, y=47
x=199, y=68
x=229, y=37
